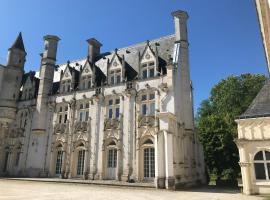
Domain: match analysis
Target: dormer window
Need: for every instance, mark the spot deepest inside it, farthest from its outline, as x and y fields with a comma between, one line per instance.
x=148, y=70
x=86, y=82
x=66, y=86
x=115, y=76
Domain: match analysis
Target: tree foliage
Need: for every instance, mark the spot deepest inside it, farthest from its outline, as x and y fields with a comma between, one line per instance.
x=215, y=121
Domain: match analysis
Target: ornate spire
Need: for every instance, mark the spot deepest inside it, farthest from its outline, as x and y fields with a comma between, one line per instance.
x=18, y=44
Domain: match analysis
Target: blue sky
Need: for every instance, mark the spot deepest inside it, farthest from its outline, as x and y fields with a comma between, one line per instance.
x=224, y=35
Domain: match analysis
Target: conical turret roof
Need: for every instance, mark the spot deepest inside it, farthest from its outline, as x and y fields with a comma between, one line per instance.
x=18, y=44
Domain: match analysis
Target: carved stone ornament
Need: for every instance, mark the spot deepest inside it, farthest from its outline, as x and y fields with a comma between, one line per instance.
x=115, y=63
x=147, y=56
x=147, y=121
x=81, y=126
x=111, y=124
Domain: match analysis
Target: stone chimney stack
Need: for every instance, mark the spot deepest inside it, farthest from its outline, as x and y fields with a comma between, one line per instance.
x=180, y=22
x=93, y=49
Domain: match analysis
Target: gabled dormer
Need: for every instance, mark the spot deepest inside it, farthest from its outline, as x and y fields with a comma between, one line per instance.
x=148, y=63
x=116, y=69
x=119, y=70
x=69, y=79
x=87, y=76
x=29, y=86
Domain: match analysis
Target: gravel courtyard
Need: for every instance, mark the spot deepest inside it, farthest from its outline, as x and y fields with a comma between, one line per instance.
x=12, y=189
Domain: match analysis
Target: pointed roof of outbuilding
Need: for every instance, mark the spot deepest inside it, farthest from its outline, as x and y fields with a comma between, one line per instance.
x=260, y=107
x=18, y=44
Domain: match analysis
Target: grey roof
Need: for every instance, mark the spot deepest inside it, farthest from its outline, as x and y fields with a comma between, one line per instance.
x=18, y=44
x=164, y=47
x=260, y=106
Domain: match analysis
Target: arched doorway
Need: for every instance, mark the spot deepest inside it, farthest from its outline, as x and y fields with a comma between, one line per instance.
x=80, y=161
x=111, y=153
x=59, y=160
x=148, y=160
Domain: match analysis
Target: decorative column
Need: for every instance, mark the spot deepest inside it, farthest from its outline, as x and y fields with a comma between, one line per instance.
x=69, y=151
x=245, y=165
x=168, y=140
x=159, y=160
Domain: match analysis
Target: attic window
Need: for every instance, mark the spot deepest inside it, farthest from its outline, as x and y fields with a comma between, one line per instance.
x=148, y=70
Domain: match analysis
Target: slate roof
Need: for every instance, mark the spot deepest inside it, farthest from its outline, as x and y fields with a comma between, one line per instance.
x=260, y=106
x=18, y=44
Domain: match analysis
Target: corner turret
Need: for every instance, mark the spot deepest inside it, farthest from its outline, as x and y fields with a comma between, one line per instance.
x=16, y=53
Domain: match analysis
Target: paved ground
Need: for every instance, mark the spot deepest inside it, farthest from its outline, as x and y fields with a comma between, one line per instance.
x=27, y=190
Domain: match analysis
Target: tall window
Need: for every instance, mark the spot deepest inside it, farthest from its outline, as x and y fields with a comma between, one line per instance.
x=148, y=104
x=114, y=108
x=18, y=154
x=112, y=158
x=58, y=167
x=262, y=165
x=86, y=82
x=84, y=112
x=148, y=70
x=80, y=164
x=62, y=114
x=65, y=86
x=115, y=76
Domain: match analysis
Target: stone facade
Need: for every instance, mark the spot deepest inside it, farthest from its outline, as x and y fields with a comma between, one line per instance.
x=123, y=115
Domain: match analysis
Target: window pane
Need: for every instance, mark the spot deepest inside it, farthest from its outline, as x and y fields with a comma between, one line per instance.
x=152, y=108
x=112, y=80
x=81, y=106
x=66, y=108
x=144, y=74
x=89, y=84
x=144, y=65
x=86, y=116
x=68, y=88
x=65, y=120
x=110, y=102
x=110, y=113
x=118, y=79
x=259, y=156
x=144, y=109
x=268, y=168
x=87, y=105
x=151, y=73
x=117, y=101
x=60, y=119
x=81, y=116
x=267, y=155
x=60, y=109
x=117, y=112
x=151, y=63
x=152, y=96
x=260, y=171
x=144, y=97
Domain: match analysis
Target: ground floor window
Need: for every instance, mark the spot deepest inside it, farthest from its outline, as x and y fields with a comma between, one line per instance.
x=149, y=163
x=58, y=167
x=262, y=165
x=6, y=162
x=80, y=164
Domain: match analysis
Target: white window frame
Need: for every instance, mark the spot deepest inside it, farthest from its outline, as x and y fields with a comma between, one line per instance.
x=148, y=66
x=114, y=107
x=149, y=101
x=264, y=162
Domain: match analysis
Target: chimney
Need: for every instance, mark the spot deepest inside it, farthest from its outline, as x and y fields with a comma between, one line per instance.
x=93, y=49
x=180, y=21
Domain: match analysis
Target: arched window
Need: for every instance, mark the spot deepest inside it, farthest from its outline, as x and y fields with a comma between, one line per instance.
x=262, y=165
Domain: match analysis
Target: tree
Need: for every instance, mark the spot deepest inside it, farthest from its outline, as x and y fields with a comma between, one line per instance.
x=215, y=122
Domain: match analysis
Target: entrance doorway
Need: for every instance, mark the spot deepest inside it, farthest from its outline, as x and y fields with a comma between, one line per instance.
x=58, y=166
x=112, y=163
x=149, y=163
